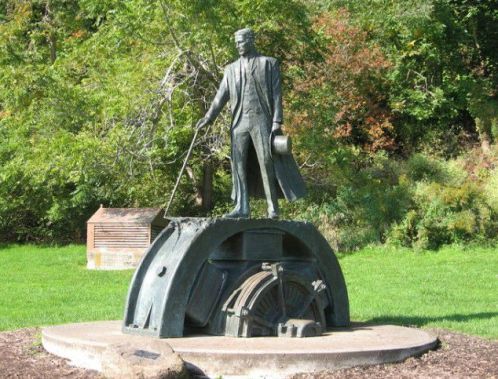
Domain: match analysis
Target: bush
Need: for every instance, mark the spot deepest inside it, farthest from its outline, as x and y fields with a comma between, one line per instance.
x=491, y=190
x=357, y=204
x=444, y=214
x=421, y=202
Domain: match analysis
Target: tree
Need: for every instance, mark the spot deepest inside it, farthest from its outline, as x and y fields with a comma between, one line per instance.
x=98, y=101
x=479, y=30
x=443, y=65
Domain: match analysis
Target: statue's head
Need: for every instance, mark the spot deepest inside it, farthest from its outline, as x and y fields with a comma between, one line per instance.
x=244, y=41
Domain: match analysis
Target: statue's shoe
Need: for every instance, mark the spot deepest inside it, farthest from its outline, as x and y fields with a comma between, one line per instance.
x=237, y=214
x=273, y=215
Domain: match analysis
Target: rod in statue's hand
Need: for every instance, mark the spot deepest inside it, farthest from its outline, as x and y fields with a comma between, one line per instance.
x=202, y=123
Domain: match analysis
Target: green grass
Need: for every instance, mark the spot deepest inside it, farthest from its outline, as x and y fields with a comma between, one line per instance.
x=455, y=288
x=51, y=285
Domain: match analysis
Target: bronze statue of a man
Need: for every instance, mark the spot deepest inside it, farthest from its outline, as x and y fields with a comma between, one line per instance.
x=252, y=85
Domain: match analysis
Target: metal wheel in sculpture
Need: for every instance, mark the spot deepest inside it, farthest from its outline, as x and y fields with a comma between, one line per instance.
x=275, y=302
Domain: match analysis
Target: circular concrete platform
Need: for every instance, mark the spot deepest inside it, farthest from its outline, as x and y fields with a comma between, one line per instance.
x=268, y=357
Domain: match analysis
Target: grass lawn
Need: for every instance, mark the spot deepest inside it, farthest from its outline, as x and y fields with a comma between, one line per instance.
x=47, y=285
x=455, y=288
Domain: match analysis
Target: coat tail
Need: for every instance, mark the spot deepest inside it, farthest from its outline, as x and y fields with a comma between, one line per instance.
x=289, y=179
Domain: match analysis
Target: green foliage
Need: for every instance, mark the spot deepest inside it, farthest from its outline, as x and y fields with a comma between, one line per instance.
x=359, y=205
x=424, y=168
x=491, y=190
x=448, y=205
x=443, y=65
x=98, y=99
x=444, y=215
x=419, y=167
x=69, y=145
x=422, y=202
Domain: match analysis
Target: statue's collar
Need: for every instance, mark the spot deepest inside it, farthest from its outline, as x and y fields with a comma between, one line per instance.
x=249, y=56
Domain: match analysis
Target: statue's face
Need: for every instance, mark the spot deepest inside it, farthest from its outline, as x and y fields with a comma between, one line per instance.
x=244, y=44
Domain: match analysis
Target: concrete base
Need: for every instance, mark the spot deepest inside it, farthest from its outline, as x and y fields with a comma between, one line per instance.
x=113, y=259
x=268, y=357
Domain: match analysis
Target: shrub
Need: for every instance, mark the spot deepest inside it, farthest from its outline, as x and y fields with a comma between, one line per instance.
x=491, y=190
x=444, y=214
x=357, y=203
x=420, y=167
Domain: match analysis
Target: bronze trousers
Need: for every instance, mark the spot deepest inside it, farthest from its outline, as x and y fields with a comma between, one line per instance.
x=254, y=128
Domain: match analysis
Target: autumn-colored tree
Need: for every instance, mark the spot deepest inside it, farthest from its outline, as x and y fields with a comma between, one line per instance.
x=340, y=99
x=443, y=79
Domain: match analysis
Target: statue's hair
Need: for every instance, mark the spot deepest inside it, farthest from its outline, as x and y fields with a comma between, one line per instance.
x=245, y=32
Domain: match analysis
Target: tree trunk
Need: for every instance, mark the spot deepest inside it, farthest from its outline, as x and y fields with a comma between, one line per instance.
x=51, y=38
x=198, y=189
x=483, y=126
x=52, y=42
x=204, y=190
x=207, y=187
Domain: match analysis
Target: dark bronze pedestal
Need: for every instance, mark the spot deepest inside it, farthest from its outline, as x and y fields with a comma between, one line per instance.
x=237, y=277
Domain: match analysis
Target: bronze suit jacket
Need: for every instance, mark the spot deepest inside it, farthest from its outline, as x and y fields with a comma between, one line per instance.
x=266, y=72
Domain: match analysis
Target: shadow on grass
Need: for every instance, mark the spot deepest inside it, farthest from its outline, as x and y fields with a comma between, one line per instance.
x=421, y=321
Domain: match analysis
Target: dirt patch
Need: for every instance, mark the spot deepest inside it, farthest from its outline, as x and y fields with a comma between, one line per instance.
x=22, y=356
x=459, y=356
